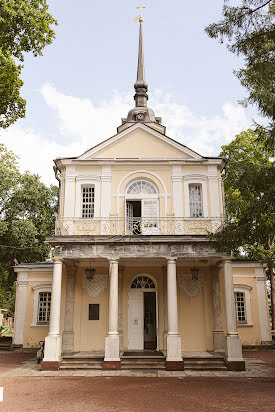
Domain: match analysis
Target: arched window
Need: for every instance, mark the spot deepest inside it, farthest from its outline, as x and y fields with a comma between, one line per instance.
x=143, y=282
x=142, y=187
x=142, y=207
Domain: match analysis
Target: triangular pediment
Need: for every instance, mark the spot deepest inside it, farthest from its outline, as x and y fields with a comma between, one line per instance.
x=139, y=142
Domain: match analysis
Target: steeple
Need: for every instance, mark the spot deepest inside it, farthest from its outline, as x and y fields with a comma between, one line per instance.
x=141, y=86
x=141, y=113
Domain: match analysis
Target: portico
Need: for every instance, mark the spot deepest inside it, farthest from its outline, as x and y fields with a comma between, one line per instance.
x=167, y=265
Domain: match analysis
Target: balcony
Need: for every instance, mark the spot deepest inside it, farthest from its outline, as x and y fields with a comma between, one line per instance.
x=136, y=226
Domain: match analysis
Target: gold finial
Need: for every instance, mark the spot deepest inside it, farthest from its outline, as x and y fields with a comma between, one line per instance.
x=139, y=18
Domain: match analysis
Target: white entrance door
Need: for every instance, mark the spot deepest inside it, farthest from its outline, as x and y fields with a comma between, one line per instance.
x=135, y=320
x=130, y=217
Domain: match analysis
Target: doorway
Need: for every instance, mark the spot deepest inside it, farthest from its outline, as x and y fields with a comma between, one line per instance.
x=133, y=211
x=149, y=336
x=142, y=320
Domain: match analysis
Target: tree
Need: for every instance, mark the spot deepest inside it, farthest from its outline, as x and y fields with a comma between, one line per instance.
x=250, y=31
x=27, y=216
x=249, y=197
x=25, y=26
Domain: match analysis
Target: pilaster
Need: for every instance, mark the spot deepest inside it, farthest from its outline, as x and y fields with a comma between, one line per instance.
x=68, y=333
x=218, y=332
x=234, y=357
x=20, y=306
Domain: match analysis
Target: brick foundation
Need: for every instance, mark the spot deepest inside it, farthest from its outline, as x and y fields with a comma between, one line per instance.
x=174, y=365
x=50, y=366
x=111, y=365
x=236, y=366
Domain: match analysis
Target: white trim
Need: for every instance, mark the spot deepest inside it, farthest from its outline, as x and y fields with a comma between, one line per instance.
x=88, y=181
x=195, y=178
x=106, y=177
x=263, y=308
x=142, y=171
x=245, y=289
x=20, y=308
x=177, y=179
x=37, y=289
x=130, y=129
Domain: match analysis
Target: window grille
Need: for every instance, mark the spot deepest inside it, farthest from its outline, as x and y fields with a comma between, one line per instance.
x=195, y=197
x=240, y=307
x=142, y=282
x=142, y=187
x=44, y=307
x=88, y=201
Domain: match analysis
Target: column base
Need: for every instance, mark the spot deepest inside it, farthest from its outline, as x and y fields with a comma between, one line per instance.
x=50, y=366
x=234, y=347
x=174, y=365
x=68, y=341
x=52, y=348
x=112, y=348
x=111, y=365
x=174, y=348
x=219, y=341
x=235, y=365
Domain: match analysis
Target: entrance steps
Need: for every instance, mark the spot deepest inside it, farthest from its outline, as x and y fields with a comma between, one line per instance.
x=143, y=361
x=213, y=363
x=72, y=362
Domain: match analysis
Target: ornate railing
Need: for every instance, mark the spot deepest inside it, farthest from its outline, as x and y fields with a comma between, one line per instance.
x=137, y=226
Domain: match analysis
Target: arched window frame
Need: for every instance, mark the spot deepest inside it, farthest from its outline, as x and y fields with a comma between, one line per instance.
x=37, y=290
x=143, y=289
x=246, y=290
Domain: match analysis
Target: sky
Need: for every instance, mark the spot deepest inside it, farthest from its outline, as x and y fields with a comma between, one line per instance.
x=80, y=88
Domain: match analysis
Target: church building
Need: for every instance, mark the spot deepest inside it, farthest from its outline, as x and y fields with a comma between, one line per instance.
x=134, y=277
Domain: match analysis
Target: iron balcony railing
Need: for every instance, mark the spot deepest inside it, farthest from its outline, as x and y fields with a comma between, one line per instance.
x=66, y=226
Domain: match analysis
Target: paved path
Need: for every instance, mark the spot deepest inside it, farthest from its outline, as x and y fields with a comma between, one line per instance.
x=26, y=388
x=99, y=394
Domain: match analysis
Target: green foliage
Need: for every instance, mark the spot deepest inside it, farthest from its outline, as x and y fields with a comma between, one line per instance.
x=27, y=210
x=25, y=26
x=250, y=31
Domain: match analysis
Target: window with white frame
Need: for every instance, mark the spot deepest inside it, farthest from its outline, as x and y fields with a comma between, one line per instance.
x=44, y=307
x=41, y=305
x=88, y=201
x=240, y=307
x=195, y=199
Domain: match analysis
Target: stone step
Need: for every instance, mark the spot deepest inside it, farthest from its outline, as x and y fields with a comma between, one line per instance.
x=142, y=367
x=205, y=368
x=82, y=360
x=5, y=346
x=205, y=362
x=80, y=366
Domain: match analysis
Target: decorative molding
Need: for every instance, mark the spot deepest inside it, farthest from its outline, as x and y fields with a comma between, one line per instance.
x=95, y=286
x=189, y=286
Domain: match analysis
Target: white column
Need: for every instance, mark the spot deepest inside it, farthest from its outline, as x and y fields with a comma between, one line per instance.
x=263, y=309
x=233, y=341
x=218, y=333
x=53, y=340
x=68, y=333
x=173, y=338
x=20, y=305
x=112, y=339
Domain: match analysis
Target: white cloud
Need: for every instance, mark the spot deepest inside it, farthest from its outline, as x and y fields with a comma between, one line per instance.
x=82, y=124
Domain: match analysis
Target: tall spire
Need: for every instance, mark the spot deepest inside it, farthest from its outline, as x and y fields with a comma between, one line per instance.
x=141, y=113
x=141, y=86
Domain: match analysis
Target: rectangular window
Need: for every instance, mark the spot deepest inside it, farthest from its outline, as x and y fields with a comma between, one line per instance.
x=195, y=199
x=240, y=307
x=88, y=202
x=94, y=311
x=44, y=307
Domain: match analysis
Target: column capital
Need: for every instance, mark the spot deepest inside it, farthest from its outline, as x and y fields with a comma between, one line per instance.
x=113, y=260
x=57, y=260
x=227, y=260
x=171, y=260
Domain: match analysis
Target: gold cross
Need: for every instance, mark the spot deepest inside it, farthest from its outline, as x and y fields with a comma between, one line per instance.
x=139, y=18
